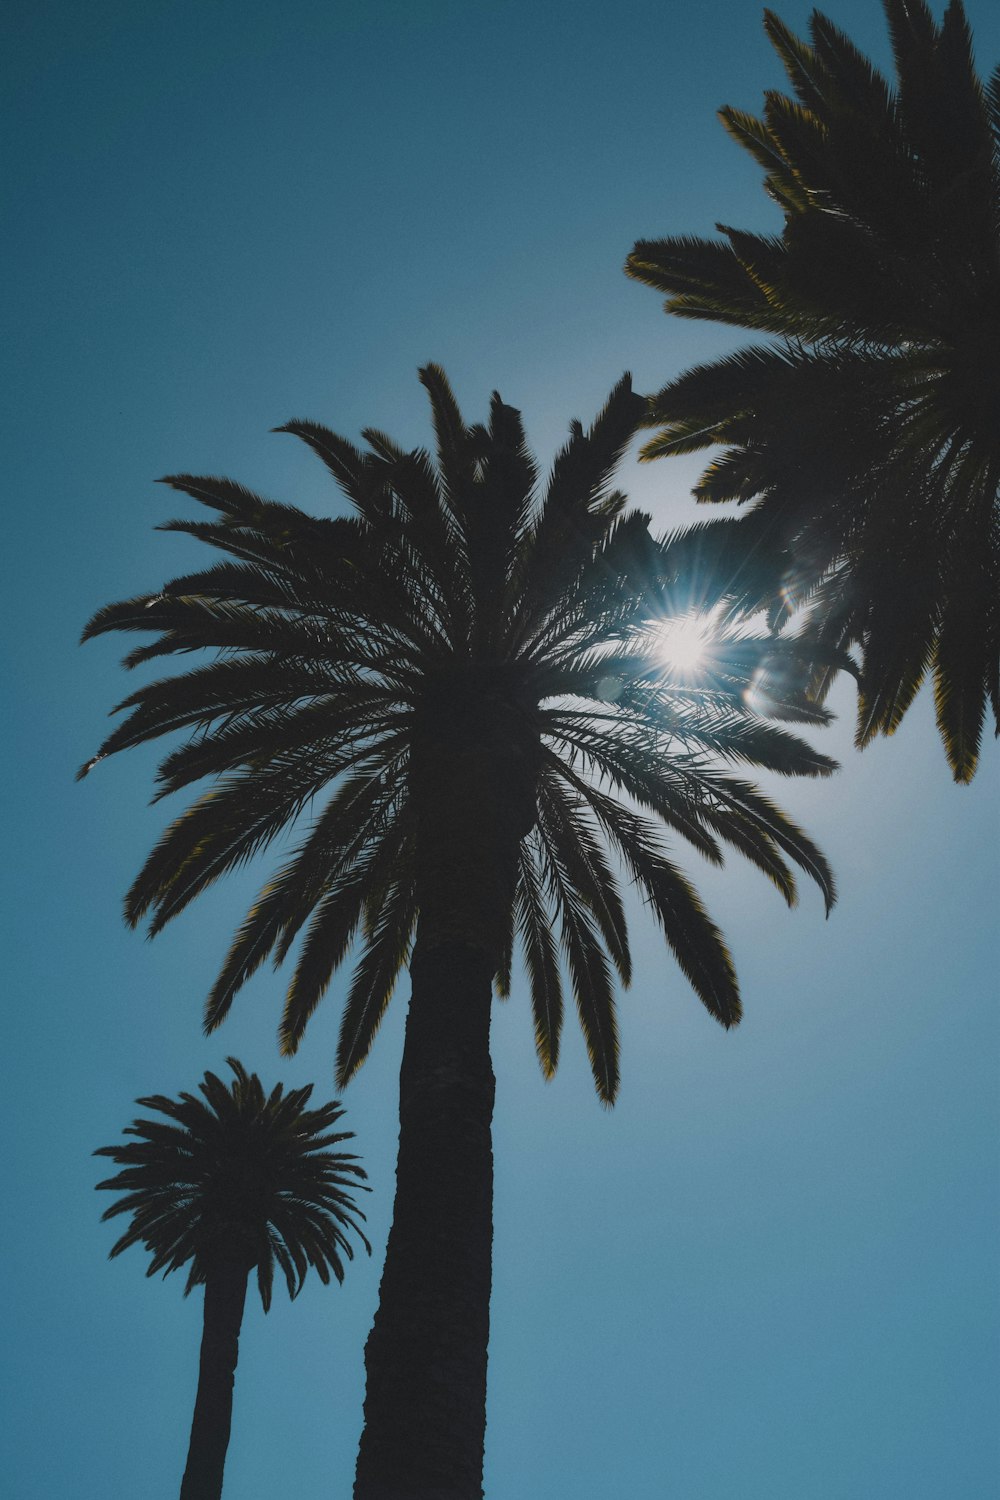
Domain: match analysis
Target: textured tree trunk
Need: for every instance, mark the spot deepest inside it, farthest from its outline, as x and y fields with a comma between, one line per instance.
x=225, y=1296
x=472, y=780
x=425, y=1408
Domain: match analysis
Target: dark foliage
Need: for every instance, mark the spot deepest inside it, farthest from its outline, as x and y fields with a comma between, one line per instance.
x=455, y=687
x=455, y=613
x=864, y=439
x=240, y=1180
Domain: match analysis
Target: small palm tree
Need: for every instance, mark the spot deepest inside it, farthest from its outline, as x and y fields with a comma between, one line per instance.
x=864, y=440
x=461, y=681
x=238, y=1182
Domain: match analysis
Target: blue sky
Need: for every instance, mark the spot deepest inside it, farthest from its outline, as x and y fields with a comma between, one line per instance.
x=772, y=1270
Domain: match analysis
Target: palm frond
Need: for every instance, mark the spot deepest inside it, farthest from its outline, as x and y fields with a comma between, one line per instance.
x=240, y=1178
x=386, y=953
x=590, y=976
x=696, y=942
x=574, y=846
x=541, y=957
x=860, y=436
x=471, y=650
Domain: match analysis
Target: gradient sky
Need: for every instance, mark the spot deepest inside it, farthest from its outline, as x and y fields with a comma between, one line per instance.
x=771, y=1271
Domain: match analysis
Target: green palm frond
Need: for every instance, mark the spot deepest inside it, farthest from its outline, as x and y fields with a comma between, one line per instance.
x=704, y=279
x=697, y=943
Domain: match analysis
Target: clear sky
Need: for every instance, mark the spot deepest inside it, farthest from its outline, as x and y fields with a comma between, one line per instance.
x=771, y=1271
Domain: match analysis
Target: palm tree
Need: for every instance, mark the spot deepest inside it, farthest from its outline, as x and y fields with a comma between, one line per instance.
x=241, y=1181
x=865, y=437
x=462, y=668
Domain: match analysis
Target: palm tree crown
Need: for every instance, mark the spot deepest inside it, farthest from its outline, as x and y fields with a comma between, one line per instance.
x=866, y=438
x=462, y=668
x=238, y=1176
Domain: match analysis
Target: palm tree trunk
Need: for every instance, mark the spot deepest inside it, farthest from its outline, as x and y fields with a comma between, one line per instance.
x=425, y=1403
x=425, y=1408
x=225, y=1296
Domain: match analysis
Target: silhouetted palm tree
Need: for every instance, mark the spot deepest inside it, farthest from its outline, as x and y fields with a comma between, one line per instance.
x=241, y=1181
x=462, y=669
x=866, y=441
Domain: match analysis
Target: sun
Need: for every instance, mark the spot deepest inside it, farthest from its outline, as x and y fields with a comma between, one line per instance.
x=682, y=643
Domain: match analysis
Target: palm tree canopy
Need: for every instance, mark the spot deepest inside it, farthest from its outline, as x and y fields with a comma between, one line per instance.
x=239, y=1175
x=865, y=439
x=465, y=631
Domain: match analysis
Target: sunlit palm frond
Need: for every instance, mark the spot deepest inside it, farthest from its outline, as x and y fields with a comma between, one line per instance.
x=470, y=656
x=864, y=445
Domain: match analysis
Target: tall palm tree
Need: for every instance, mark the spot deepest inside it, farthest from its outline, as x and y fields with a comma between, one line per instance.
x=865, y=437
x=461, y=669
x=240, y=1181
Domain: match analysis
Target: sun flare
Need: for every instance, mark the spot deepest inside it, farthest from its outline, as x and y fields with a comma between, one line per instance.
x=682, y=643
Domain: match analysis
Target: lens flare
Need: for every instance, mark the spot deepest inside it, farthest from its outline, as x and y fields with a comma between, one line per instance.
x=682, y=643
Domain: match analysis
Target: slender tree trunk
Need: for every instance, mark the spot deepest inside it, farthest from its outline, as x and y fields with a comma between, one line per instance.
x=472, y=778
x=425, y=1408
x=225, y=1296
